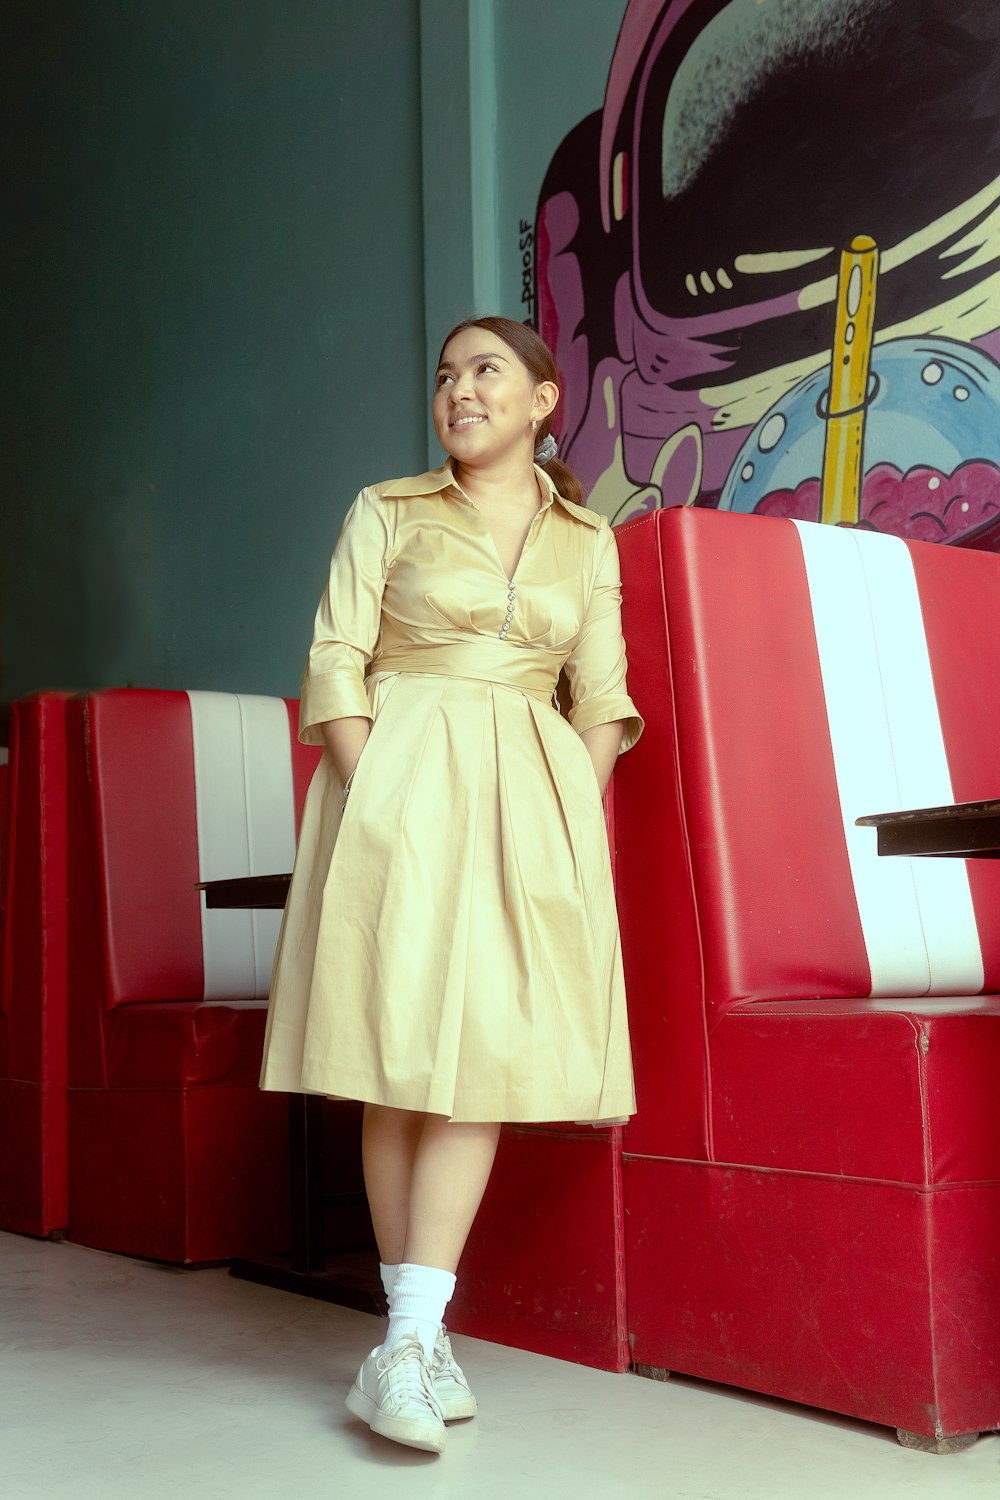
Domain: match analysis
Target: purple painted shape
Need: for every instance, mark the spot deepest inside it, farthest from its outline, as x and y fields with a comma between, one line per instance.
x=561, y=278
x=590, y=291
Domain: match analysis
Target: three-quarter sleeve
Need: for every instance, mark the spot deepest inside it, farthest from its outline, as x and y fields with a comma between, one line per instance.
x=595, y=669
x=347, y=621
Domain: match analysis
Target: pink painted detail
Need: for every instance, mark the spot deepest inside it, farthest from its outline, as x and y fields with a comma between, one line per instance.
x=547, y=310
x=640, y=21
x=561, y=306
x=800, y=504
x=921, y=505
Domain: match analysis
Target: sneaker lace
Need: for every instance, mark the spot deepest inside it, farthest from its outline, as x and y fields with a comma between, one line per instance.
x=408, y=1378
x=444, y=1355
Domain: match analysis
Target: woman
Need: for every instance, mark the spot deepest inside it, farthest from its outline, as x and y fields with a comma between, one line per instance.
x=449, y=952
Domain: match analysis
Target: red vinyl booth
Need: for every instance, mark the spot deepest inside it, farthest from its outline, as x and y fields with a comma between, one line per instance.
x=812, y=1180
x=544, y=1267
x=175, y=1153
x=33, y=975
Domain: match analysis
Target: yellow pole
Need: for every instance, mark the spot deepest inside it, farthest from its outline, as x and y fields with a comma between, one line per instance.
x=849, y=366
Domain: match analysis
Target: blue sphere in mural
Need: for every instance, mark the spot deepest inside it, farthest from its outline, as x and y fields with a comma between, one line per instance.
x=931, y=445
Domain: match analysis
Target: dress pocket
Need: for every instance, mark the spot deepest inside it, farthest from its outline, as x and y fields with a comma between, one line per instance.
x=377, y=698
x=584, y=776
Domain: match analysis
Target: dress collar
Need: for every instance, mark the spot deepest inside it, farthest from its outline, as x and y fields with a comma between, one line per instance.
x=437, y=480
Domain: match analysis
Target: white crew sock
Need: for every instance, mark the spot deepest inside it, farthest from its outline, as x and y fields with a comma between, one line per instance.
x=419, y=1297
x=388, y=1275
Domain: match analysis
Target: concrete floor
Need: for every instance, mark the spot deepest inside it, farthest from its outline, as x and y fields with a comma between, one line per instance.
x=123, y=1380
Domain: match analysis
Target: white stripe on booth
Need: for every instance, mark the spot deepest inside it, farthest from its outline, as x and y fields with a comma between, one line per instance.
x=246, y=826
x=923, y=777
x=270, y=814
x=916, y=915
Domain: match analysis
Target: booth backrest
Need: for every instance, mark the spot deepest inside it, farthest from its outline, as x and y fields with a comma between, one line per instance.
x=793, y=678
x=4, y=817
x=183, y=787
x=33, y=893
x=4, y=836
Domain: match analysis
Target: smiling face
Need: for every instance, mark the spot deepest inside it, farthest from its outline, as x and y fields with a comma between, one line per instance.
x=485, y=401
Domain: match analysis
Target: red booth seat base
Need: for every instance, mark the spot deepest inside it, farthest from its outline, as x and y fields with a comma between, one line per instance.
x=169, y=1044
x=197, y=1175
x=850, y=1295
x=894, y=1090
x=544, y=1267
x=32, y=1157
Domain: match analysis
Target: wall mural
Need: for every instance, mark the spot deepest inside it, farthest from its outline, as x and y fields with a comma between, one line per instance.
x=770, y=265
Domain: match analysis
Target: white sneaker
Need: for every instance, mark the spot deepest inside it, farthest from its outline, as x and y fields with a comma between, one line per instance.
x=450, y=1385
x=394, y=1394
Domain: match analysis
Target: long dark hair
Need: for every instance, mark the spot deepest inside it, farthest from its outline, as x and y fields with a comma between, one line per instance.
x=536, y=357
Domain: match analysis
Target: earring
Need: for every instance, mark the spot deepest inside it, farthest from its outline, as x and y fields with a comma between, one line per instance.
x=534, y=425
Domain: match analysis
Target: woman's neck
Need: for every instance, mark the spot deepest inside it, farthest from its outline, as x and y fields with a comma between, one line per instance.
x=506, y=482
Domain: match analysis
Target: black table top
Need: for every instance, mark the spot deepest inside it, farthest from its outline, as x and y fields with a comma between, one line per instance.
x=246, y=892
x=963, y=830
x=956, y=812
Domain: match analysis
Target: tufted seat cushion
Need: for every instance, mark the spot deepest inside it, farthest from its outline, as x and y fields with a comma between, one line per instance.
x=188, y=1045
x=902, y=1091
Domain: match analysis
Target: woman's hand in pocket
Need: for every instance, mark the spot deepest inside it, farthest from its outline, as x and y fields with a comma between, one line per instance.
x=603, y=742
x=345, y=741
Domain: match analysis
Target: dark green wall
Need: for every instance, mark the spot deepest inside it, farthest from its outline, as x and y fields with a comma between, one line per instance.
x=217, y=288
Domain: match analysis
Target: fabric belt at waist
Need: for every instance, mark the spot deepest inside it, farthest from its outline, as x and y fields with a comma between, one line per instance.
x=528, y=670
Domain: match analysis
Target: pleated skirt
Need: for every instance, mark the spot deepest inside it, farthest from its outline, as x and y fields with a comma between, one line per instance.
x=450, y=942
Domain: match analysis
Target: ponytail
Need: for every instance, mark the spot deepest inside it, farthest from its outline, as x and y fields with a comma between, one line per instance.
x=564, y=479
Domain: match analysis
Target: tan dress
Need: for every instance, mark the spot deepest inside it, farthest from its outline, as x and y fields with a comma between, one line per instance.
x=450, y=942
